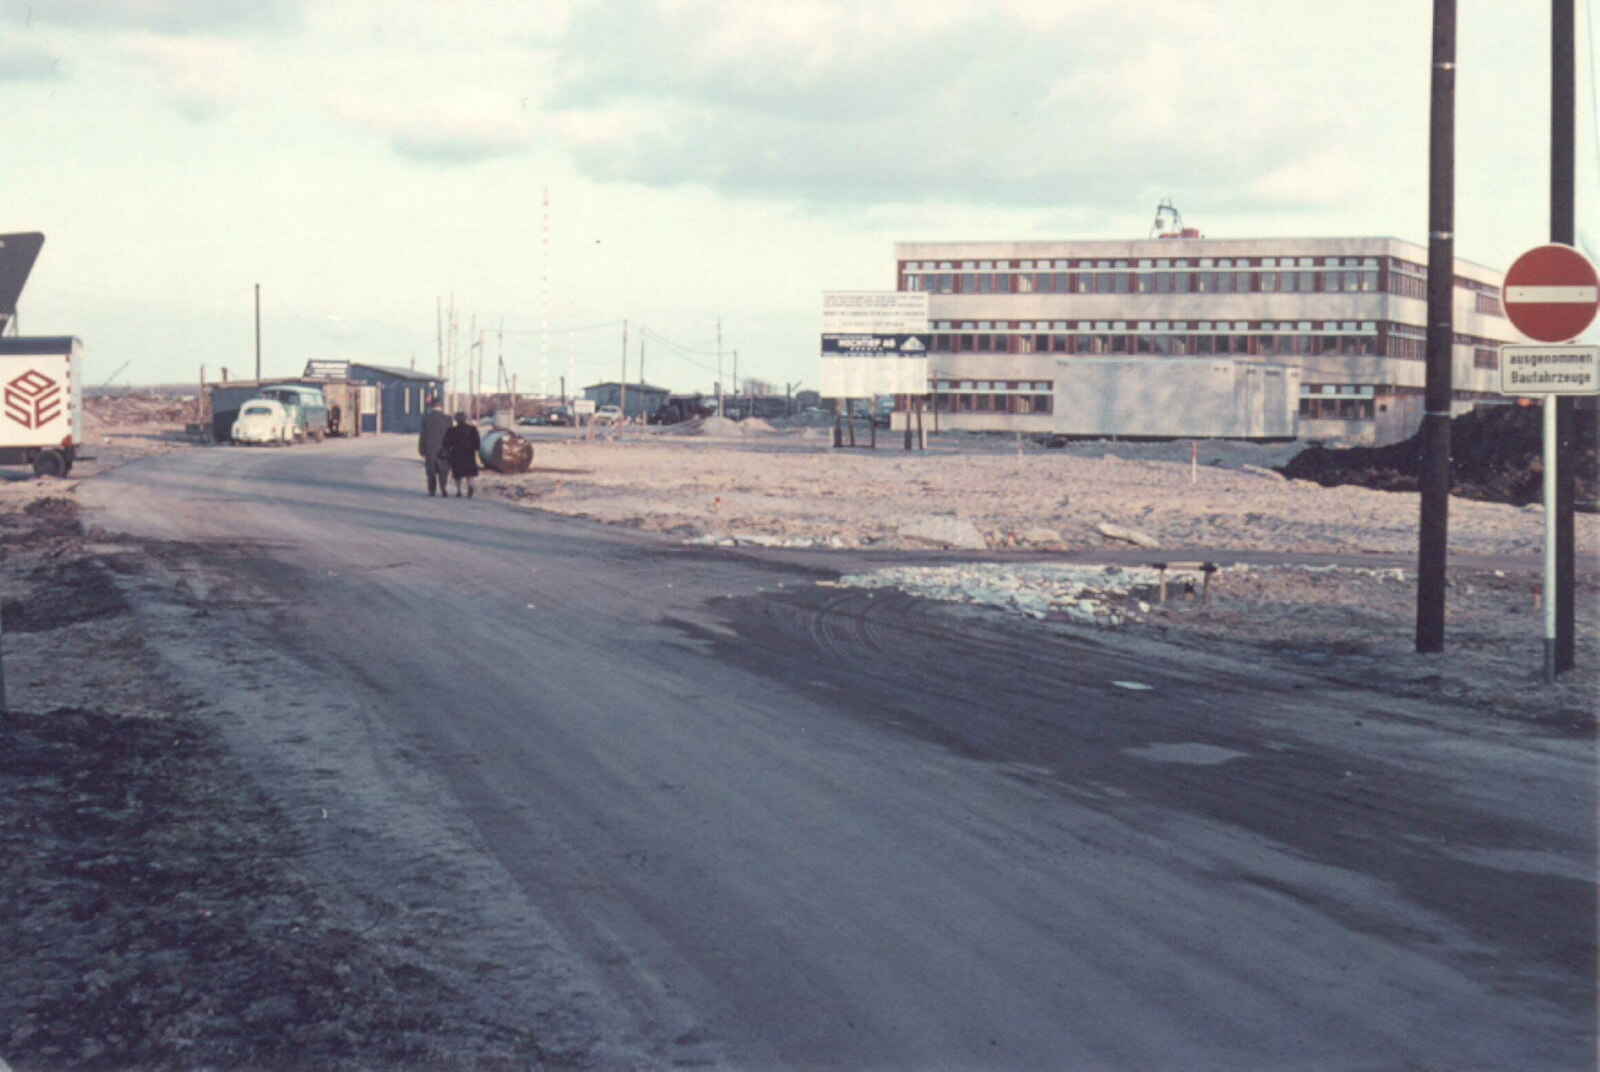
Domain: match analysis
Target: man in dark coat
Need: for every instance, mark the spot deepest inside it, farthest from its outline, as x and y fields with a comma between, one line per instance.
x=461, y=447
x=430, y=444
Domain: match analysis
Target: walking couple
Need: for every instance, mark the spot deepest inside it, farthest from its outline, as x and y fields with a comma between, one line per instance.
x=448, y=450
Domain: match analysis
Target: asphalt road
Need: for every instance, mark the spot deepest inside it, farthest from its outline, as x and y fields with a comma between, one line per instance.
x=676, y=806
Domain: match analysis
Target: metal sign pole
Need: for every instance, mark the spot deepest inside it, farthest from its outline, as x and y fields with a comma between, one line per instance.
x=1550, y=564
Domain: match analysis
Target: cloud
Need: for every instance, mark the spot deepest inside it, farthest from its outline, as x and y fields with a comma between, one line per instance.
x=1317, y=179
x=19, y=63
x=201, y=77
x=466, y=129
x=1007, y=103
x=164, y=16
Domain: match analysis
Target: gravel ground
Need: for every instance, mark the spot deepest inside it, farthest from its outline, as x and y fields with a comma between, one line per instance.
x=789, y=489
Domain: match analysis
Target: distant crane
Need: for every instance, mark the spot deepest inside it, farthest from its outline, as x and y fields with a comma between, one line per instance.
x=1169, y=223
x=117, y=373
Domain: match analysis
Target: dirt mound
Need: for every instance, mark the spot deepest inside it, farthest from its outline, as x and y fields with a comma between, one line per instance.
x=1495, y=454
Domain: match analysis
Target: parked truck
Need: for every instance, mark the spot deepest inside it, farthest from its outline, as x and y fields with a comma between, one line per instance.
x=41, y=402
x=1176, y=398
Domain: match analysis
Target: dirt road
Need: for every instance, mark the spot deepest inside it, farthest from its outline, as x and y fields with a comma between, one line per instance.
x=670, y=805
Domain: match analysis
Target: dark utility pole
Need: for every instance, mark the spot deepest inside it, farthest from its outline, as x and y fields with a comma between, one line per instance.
x=1434, y=479
x=1563, y=130
x=258, y=332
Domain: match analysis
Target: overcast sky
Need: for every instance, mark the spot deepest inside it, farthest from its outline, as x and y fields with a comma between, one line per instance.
x=705, y=160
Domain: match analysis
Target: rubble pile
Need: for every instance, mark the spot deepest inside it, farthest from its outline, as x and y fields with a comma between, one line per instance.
x=1496, y=455
x=1096, y=595
x=124, y=410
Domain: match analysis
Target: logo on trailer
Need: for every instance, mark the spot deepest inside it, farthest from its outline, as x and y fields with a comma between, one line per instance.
x=33, y=399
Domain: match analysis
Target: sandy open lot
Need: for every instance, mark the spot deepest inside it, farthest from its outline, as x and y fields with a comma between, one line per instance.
x=1030, y=506
x=1329, y=577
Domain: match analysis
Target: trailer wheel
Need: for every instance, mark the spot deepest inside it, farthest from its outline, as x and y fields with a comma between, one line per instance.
x=49, y=463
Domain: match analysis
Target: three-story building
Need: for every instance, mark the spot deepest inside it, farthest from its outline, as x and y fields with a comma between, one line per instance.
x=1350, y=313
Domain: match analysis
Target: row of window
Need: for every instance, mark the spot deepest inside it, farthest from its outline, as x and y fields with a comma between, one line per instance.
x=993, y=403
x=1180, y=275
x=1222, y=280
x=1090, y=264
x=1327, y=402
x=1206, y=339
x=1337, y=409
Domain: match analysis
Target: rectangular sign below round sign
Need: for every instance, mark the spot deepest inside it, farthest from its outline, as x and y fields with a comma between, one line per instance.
x=1549, y=370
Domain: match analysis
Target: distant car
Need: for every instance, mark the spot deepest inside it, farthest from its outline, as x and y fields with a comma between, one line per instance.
x=262, y=420
x=607, y=414
x=559, y=415
x=305, y=408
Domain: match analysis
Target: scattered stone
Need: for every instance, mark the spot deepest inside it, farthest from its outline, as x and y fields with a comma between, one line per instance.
x=1127, y=535
x=950, y=532
x=1039, y=536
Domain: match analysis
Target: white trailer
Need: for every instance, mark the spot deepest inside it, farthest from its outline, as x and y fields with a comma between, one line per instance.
x=41, y=402
x=1176, y=398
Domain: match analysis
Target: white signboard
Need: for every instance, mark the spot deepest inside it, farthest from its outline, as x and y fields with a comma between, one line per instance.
x=41, y=405
x=874, y=312
x=1549, y=370
x=860, y=366
x=583, y=407
x=327, y=370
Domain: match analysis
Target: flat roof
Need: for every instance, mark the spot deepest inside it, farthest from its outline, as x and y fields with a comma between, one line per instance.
x=39, y=344
x=398, y=373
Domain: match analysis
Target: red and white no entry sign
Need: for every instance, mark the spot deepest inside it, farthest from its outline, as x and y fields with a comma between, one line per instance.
x=1551, y=293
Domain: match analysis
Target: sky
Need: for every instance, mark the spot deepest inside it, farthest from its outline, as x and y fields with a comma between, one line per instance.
x=696, y=173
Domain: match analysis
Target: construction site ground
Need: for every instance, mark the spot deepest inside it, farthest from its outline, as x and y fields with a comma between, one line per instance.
x=156, y=916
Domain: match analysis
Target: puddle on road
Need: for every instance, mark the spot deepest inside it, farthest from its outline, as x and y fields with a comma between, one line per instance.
x=1192, y=753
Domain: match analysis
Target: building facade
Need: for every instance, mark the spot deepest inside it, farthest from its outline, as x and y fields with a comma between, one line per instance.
x=1350, y=313
x=401, y=397
x=637, y=401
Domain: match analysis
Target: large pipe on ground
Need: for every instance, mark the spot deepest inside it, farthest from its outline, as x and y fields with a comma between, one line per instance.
x=505, y=452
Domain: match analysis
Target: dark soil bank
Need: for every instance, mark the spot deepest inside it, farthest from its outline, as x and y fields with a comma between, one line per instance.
x=1496, y=455
x=153, y=920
